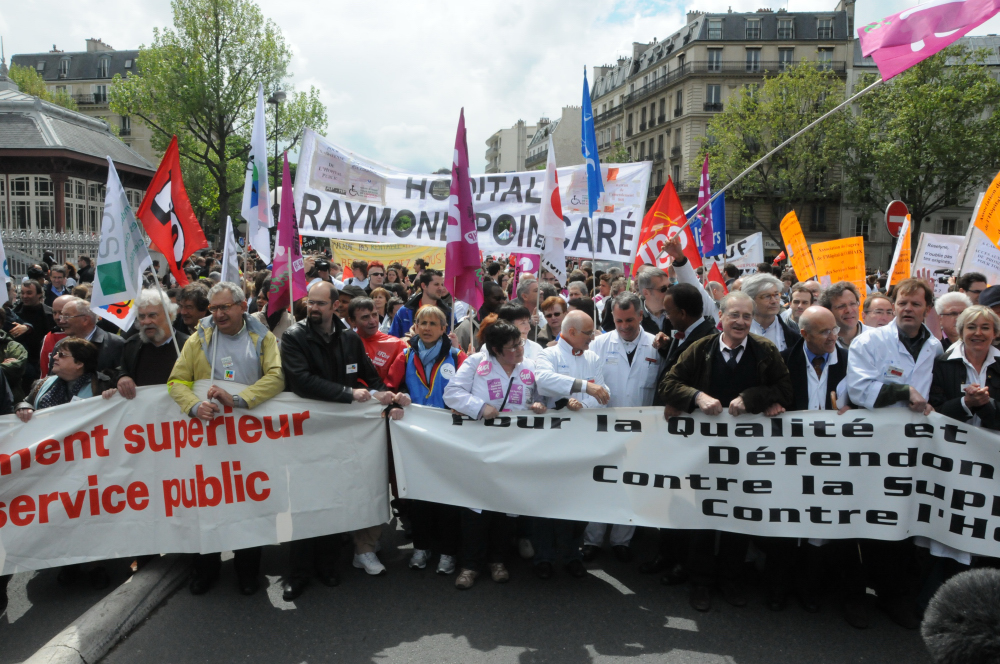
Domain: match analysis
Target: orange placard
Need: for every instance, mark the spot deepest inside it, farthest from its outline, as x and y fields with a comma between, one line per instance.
x=798, y=249
x=988, y=219
x=842, y=260
x=901, y=257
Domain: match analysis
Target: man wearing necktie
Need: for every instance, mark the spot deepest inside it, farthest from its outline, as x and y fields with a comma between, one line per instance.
x=742, y=373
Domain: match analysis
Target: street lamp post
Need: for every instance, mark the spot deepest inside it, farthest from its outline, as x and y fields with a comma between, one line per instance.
x=277, y=98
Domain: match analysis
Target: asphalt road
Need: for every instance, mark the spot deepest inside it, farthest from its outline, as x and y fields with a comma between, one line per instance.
x=614, y=614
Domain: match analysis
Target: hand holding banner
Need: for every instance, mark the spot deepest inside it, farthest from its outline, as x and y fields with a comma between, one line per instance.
x=798, y=248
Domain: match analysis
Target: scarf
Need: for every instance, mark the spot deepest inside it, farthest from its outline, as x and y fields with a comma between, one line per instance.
x=62, y=392
x=428, y=355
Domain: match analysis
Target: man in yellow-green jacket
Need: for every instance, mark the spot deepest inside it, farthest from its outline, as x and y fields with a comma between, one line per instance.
x=242, y=351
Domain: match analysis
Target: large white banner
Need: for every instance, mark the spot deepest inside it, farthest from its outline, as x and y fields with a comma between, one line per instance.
x=886, y=474
x=98, y=479
x=941, y=254
x=342, y=195
x=744, y=254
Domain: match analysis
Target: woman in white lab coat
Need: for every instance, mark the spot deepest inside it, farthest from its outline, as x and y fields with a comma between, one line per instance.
x=497, y=379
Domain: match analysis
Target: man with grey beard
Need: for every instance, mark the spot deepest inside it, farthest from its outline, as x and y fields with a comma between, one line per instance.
x=148, y=357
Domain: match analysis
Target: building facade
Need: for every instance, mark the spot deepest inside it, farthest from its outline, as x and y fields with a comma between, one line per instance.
x=565, y=133
x=507, y=149
x=86, y=76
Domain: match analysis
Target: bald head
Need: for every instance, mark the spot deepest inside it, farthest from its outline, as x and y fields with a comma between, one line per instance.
x=819, y=330
x=578, y=329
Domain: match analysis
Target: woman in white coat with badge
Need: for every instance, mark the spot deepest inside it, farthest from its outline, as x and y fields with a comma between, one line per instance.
x=498, y=379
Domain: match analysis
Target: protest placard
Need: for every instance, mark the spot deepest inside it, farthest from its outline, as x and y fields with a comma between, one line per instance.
x=900, y=268
x=940, y=254
x=797, y=247
x=842, y=260
x=404, y=254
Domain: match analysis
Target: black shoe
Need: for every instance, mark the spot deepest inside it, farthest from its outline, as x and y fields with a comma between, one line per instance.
x=201, y=585
x=293, y=587
x=590, y=552
x=576, y=569
x=329, y=579
x=657, y=564
x=68, y=575
x=249, y=586
x=675, y=576
x=733, y=593
x=901, y=611
x=856, y=612
x=809, y=601
x=543, y=570
x=700, y=598
x=622, y=553
x=99, y=579
x=776, y=600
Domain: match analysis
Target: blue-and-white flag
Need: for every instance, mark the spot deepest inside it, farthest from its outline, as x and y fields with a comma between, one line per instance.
x=588, y=144
x=256, y=197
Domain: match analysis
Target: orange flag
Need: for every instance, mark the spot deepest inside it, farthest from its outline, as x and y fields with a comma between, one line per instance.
x=798, y=248
x=659, y=225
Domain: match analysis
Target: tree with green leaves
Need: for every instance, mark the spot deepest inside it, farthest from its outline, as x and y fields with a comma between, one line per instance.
x=31, y=82
x=618, y=154
x=198, y=80
x=759, y=118
x=929, y=137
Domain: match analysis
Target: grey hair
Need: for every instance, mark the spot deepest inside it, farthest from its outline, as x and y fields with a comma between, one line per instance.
x=151, y=297
x=524, y=285
x=81, y=306
x=60, y=269
x=737, y=296
x=582, y=285
x=951, y=298
x=976, y=312
x=228, y=287
x=627, y=300
x=646, y=276
x=756, y=284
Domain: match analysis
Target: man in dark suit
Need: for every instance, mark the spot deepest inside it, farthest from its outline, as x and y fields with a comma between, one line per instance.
x=743, y=373
x=653, y=284
x=79, y=321
x=57, y=284
x=148, y=357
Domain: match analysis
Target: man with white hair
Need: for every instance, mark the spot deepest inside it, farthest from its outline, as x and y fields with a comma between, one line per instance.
x=948, y=308
x=148, y=357
x=527, y=294
x=77, y=320
x=653, y=284
x=765, y=291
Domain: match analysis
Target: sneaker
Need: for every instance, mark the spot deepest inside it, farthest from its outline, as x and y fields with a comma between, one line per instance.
x=419, y=558
x=446, y=565
x=370, y=563
x=499, y=573
x=466, y=579
x=525, y=549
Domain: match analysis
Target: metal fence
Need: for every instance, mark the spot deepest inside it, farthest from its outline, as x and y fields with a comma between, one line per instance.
x=24, y=248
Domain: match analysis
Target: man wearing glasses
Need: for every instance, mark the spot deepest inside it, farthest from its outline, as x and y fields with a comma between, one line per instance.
x=653, y=284
x=376, y=276
x=972, y=284
x=842, y=299
x=765, y=291
x=228, y=348
x=324, y=359
x=77, y=320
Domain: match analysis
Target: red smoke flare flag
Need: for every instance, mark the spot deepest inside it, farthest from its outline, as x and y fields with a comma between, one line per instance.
x=902, y=40
x=462, y=265
x=704, y=195
x=167, y=216
x=288, y=277
x=659, y=225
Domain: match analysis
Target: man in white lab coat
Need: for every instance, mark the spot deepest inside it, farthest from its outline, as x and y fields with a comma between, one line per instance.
x=892, y=366
x=630, y=365
x=569, y=376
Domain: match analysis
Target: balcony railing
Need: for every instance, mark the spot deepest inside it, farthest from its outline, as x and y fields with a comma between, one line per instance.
x=642, y=126
x=607, y=115
x=534, y=160
x=713, y=107
x=786, y=33
x=662, y=118
x=824, y=33
x=675, y=152
x=125, y=131
x=658, y=156
x=90, y=99
x=678, y=112
x=628, y=132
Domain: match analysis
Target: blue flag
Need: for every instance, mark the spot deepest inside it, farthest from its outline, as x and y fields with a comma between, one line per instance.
x=718, y=228
x=588, y=144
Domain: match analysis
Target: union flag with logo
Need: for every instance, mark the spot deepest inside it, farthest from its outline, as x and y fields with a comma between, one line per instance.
x=662, y=222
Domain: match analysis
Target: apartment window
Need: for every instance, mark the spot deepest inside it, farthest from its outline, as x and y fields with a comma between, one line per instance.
x=40, y=66
x=604, y=108
x=64, y=68
x=628, y=129
x=746, y=220
x=677, y=173
x=817, y=224
x=126, y=128
x=862, y=227
x=824, y=28
x=659, y=177
x=659, y=144
x=642, y=150
x=642, y=122
x=786, y=28
x=680, y=61
x=663, y=103
x=715, y=28
x=753, y=60
x=645, y=81
x=786, y=58
x=713, y=97
x=715, y=59
x=100, y=94
x=628, y=153
x=949, y=226
x=753, y=28
x=825, y=58
x=651, y=148
x=679, y=108
x=103, y=67
x=128, y=64
x=3, y=203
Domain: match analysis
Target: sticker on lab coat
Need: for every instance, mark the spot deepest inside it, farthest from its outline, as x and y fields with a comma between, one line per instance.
x=229, y=374
x=447, y=371
x=352, y=368
x=611, y=360
x=484, y=368
x=495, y=388
x=516, y=394
x=227, y=361
x=892, y=373
x=527, y=377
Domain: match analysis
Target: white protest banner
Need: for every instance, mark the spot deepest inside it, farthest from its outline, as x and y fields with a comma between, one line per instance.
x=978, y=253
x=342, y=195
x=884, y=474
x=940, y=254
x=744, y=254
x=98, y=479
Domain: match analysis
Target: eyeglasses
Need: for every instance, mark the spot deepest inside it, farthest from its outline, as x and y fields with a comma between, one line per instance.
x=975, y=291
x=317, y=303
x=661, y=289
x=216, y=308
x=832, y=332
x=67, y=316
x=846, y=306
x=516, y=346
x=952, y=314
x=63, y=354
x=768, y=296
x=376, y=274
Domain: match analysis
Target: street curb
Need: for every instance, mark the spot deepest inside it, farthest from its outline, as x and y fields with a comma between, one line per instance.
x=88, y=638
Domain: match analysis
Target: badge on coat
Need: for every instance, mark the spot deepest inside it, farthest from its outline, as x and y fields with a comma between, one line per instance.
x=227, y=361
x=352, y=368
x=892, y=373
x=229, y=374
x=447, y=371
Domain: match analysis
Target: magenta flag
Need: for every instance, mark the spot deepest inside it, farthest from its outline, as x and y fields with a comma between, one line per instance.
x=902, y=40
x=704, y=195
x=288, y=273
x=463, y=265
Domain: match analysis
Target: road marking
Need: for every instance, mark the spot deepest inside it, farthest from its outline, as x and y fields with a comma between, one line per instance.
x=685, y=624
x=615, y=583
x=274, y=594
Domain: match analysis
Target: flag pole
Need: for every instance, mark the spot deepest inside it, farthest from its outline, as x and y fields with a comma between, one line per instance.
x=775, y=151
x=163, y=301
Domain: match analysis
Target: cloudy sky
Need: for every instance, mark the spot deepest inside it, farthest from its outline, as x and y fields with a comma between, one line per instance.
x=394, y=74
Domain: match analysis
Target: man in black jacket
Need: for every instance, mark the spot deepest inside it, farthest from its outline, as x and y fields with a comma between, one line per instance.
x=323, y=359
x=149, y=356
x=33, y=310
x=653, y=284
x=79, y=321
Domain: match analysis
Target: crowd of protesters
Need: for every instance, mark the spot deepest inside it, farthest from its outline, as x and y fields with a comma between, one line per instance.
x=758, y=343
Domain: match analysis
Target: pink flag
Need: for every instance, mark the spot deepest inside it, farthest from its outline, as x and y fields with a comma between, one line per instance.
x=902, y=40
x=288, y=268
x=462, y=265
x=704, y=195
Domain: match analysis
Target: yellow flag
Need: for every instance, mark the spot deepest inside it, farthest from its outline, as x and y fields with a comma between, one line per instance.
x=988, y=219
x=798, y=249
x=842, y=260
x=900, y=268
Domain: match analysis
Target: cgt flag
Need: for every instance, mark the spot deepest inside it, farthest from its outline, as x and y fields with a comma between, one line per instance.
x=550, y=223
x=167, y=216
x=659, y=225
x=462, y=263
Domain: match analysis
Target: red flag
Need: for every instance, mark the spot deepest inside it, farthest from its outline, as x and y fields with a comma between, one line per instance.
x=462, y=265
x=715, y=274
x=777, y=259
x=166, y=215
x=659, y=225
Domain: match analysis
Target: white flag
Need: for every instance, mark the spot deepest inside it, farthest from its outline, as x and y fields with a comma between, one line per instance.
x=6, y=274
x=256, y=197
x=230, y=265
x=551, y=224
x=122, y=257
